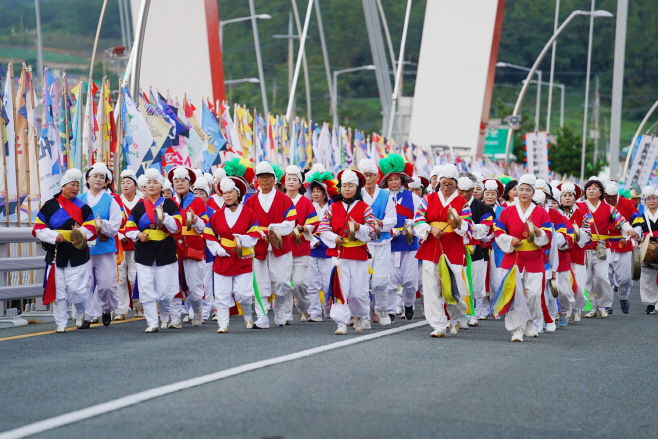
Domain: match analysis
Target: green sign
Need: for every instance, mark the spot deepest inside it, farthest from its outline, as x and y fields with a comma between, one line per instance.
x=496, y=140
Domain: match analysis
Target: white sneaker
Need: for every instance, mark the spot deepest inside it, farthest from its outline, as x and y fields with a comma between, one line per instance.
x=94, y=320
x=61, y=329
x=590, y=315
x=384, y=319
x=303, y=316
x=550, y=327
x=603, y=313
x=438, y=334
x=187, y=319
x=197, y=320
x=163, y=323
x=454, y=329
x=530, y=330
x=120, y=317
x=279, y=318
x=249, y=324
x=315, y=319
x=366, y=324
x=139, y=312
x=358, y=324
x=151, y=329
x=341, y=330
x=484, y=317
x=463, y=324
x=473, y=322
x=517, y=335
x=215, y=318
x=263, y=322
x=175, y=324
x=576, y=316
x=222, y=330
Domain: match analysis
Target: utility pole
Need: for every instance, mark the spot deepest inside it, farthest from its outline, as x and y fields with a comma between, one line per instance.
x=595, y=134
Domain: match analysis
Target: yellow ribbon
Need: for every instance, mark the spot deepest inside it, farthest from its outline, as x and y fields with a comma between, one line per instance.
x=527, y=246
x=66, y=234
x=230, y=243
x=447, y=228
x=352, y=243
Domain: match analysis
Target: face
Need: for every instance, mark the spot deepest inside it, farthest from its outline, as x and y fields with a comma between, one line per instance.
x=448, y=186
x=201, y=194
x=490, y=197
x=371, y=179
x=525, y=193
x=552, y=204
x=466, y=194
x=348, y=190
x=230, y=197
x=513, y=193
x=70, y=190
x=652, y=202
x=477, y=192
x=292, y=183
x=266, y=182
x=317, y=195
x=394, y=183
x=182, y=186
x=567, y=199
x=418, y=191
x=128, y=186
x=167, y=193
x=96, y=181
x=433, y=181
x=593, y=192
x=153, y=188
x=610, y=199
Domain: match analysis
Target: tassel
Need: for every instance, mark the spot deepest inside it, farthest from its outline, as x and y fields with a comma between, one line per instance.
x=257, y=294
x=50, y=287
x=335, y=291
x=574, y=284
x=449, y=289
x=135, y=294
x=501, y=301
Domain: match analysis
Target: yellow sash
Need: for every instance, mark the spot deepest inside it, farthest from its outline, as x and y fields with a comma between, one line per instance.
x=66, y=234
x=156, y=234
x=352, y=243
x=230, y=243
x=596, y=237
x=447, y=228
x=527, y=246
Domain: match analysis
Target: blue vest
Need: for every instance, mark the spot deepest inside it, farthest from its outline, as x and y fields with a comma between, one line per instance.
x=379, y=210
x=210, y=258
x=102, y=209
x=321, y=250
x=497, y=252
x=399, y=244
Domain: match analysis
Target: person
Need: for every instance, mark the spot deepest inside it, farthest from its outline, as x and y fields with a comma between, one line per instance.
x=348, y=212
x=520, y=294
x=305, y=224
x=141, y=183
x=493, y=190
x=383, y=210
x=322, y=187
x=276, y=216
x=103, y=251
x=168, y=190
x=509, y=193
x=443, y=252
x=434, y=178
x=53, y=225
x=189, y=246
x=216, y=200
x=598, y=254
x=621, y=266
x=402, y=265
x=155, y=250
x=130, y=196
x=232, y=272
x=202, y=191
x=418, y=185
x=478, y=189
x=241, y=167
x=649, y=270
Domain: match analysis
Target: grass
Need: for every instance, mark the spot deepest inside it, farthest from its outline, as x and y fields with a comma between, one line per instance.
x=21, y=53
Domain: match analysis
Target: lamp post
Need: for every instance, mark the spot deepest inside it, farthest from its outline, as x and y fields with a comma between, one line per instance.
x=232, y=82
x=236, y=20
x=539, y=77
x=517, y=106
x=561, y=87
x=334, y=95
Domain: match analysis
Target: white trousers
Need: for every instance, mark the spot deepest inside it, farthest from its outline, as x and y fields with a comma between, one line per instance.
x=317, y=279
x=208, y=301
x=527, y=300
x=354, y=286
x=598, y=286
x=71, y=284
x=240, y=287
x=127, y=272
x=478, y=277
x=648, y=286
x=621, y=270
x=434, y=311
x=495, y=277
x=157, y=285
x=565, y=292
x=403, y=274
x=580, y=273
x=273, y=276
x=379, y=282
x=551, y=302
x=194, y=276
x=104, y=279
x=300, y=289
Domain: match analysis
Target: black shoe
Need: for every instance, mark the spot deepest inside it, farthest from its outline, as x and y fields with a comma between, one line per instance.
x=625, y=306
x=107, y=318
x=392, y=316
x=608, y=310
x=616, y=289
x=650, y=309
x=85, y=325
x=409, y=312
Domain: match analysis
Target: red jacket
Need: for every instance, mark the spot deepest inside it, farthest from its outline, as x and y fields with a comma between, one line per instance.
x=281, y=210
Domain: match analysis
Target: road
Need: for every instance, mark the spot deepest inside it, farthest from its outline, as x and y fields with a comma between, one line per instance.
x=592, y=379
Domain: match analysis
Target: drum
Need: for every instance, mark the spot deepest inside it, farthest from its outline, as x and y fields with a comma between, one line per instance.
x=649, y=251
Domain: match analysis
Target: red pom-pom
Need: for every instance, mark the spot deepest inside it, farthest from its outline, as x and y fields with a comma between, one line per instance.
x=249, y=175
x=409, y=169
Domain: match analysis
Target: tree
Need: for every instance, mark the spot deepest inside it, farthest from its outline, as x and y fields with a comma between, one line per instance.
x=565, y=154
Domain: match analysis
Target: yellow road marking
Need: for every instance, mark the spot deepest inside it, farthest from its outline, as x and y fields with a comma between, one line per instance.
x=73, y=328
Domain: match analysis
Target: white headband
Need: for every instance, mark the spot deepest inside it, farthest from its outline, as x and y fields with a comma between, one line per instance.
x=72, y=175
x=349, y=176
x=153, y=174
x=294, y=170
x=415, y=183
x=367, y=165
x=611, y=190
x=181, y=173
x=491, y=185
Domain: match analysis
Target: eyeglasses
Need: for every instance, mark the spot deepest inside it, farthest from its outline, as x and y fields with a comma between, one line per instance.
x=448, y=185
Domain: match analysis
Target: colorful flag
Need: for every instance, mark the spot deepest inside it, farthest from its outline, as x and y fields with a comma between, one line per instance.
x=64, y=116
x=137, y=138
x=49, y=146
x=215, y=139
x=75, y=147
x=9, y=147
x=21, y=137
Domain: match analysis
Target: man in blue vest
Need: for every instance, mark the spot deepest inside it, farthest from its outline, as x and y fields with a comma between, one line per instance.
x=103, y=250
x=383, y=210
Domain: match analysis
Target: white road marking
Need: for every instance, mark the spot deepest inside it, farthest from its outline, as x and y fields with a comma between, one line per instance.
x=126, y=401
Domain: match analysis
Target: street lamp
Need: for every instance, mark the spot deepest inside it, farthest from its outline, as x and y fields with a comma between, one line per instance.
x=240, y=81
x=236, y=20
x=517, y=106
x=334, y=95
x=539, y=77
x=561, y=86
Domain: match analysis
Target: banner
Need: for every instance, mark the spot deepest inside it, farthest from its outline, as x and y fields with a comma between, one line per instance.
x=537, y=154
x=49, y=141
x=9, y=147
x=137, y=138
x=643, y=163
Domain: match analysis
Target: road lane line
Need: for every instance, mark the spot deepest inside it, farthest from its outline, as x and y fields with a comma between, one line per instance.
x=71, y=328
x=129, y=400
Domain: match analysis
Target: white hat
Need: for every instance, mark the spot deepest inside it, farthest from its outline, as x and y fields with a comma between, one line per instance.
x=491, y=185
x=182, y=173
x=154, y=174
x=528, y=179
x=541, y=184
x=539, y=197
x=415, y=183
x=209, y=178
x=595, y=178
x=465, y=183
x=449, y=171
x=367, y=165
x=70, y=176
x=202, y=184
x=167, y=186
x=648, y=191
x=568, y=187
x=436, y=171
x=479, y=178
x=294, y=170
x=227, y=185
x=100, y=168
x=128, y=173
x=554, y=183
x=557, y=193
x=218, y=174
x=611, y=190
x=264, y=168
x=198, y=172
x=141, y=181
x=349, y=176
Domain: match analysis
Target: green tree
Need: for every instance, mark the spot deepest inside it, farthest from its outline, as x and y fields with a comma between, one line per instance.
x=565, y=154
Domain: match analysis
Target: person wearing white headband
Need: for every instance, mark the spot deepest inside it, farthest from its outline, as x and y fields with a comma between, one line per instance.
x=443, y=253
x=607, y=222
x=523, y=260
x=434, y=178
x=216, y=201
x=649, y=270
x=482, y=217
x=141, y=183
x=275, y=212
x=168, y=190
x=350, y=275
x=155, y=253
x=69, y=268
x=103, y=281
x=383, y=210
x=493, y=190
x=306, y=223
x=130, y=196
x=479, y=186
x=621, y=265
x=202, y=190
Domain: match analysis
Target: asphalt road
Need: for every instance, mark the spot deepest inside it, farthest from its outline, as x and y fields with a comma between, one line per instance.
x=592, y=379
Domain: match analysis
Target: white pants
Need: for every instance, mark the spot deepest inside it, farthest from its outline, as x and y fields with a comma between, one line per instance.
x=598, y=286
x=157, y=285
x=273, y=276
x=317, y=279
x=580, y=273
x=354, y=286
x=648, y=286
x=434, y=311
x=495, y=277
x=208, y=301
x=478, y=276
x=240, y=287
x=104, y=278
x=551, y=302
x=127, y=272
x=527, y=300
x=621, y=269
x=71, y=284
x=379, y=283
x=565, y=292
x=299, y=290
x=194, y=276
x=403, y=273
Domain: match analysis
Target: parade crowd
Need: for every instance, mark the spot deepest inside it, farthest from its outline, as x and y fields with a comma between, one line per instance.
x=359, y=248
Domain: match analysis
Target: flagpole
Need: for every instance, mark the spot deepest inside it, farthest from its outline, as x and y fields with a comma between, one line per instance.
x=36, y=144
x=4, y=162
x=119, y=148
x=98, y=32
x=18, y=195
x=27, y=152
x=65, y=96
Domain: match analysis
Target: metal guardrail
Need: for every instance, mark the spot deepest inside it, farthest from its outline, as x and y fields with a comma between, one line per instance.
x=16, y=234
x=22, y=263
x=11, y=235
x=16, y=292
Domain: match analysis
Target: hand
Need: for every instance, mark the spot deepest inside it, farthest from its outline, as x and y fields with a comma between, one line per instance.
x=380, y=223
x=60, y=239
x=622, y=242
x=195, y=218
x=339, y=240
x=554, y=275
x=438, y=233
x=357, y=226
x=537, y=232
x=516, y=242
x=300, y=229
x=124, y=240
x=143, y=237
x=633, y=234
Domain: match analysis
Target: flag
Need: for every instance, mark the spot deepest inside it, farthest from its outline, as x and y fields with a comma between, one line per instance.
x=160, y=128
x=75, y=147
x=260, y=135
x=193, y=142
x=21, y=137
x=197, y=136
x=32, y=147
x=9, y=147
x=49, y=140
x=324, y=145
x=64, y=116
x=137, y=138
x=232, y=137
x=214, y=137
x=88, y=135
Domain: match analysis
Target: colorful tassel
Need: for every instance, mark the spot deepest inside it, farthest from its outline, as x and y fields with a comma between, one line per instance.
x=504, y=296
x=449, y=289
